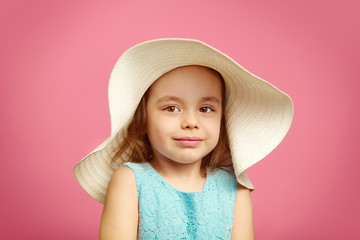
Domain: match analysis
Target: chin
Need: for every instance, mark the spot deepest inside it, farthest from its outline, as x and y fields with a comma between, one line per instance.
x=188, y=160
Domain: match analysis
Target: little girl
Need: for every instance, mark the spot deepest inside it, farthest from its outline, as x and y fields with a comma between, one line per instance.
x=186, y=122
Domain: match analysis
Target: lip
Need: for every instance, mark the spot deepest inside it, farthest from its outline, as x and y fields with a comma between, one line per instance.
x=188, y=141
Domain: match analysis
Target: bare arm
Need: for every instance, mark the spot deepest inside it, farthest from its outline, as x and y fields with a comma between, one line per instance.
x=243, y=226
x=119, y=218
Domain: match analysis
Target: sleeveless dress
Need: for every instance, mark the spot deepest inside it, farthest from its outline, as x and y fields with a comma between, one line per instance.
x=168, y=213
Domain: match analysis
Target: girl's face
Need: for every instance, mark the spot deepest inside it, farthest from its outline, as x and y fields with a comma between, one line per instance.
x=184, y=109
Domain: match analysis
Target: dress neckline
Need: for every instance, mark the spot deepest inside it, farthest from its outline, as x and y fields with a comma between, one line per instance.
x=183, y=192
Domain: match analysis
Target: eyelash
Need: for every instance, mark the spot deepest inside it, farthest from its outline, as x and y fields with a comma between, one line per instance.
x=208, y=108
x=166, y=108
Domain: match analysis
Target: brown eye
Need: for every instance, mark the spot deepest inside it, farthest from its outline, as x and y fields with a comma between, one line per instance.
x=172, y=109
x=206, y=109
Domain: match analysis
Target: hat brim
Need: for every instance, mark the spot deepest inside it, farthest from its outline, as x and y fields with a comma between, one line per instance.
x=258, y=115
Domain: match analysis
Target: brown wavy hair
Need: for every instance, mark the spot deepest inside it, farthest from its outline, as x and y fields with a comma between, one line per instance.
x=135, y=145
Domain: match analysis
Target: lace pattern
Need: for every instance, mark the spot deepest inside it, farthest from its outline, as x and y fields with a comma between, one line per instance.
x=168, y=213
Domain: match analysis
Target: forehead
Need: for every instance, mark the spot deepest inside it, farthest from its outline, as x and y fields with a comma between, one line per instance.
x=197, y=80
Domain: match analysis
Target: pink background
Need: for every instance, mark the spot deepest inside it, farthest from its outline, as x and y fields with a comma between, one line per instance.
x=56, y=58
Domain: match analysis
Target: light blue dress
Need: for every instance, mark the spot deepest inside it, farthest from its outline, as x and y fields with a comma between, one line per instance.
x=167, y=213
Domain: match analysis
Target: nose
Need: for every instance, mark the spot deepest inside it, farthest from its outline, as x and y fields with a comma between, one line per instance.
x=189, y=121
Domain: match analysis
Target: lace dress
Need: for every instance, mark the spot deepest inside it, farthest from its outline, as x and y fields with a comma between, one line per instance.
x=167, y=213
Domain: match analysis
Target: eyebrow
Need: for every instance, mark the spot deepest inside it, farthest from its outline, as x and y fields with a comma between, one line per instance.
x=177, y=99
x=211, y=99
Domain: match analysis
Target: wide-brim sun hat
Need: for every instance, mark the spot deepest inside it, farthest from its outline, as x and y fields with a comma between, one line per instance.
x=258, y=115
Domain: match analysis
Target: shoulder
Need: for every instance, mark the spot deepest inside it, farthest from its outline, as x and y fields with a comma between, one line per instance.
x=122, y=185
x=227, y=171
x=225, y=178
x=243, y=195
x=120, y=213
x=137, y=168
x=243, y=226
x=124, y=174
x=122, y=180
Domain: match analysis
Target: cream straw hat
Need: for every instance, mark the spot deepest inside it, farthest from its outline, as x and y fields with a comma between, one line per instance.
x=258, y=115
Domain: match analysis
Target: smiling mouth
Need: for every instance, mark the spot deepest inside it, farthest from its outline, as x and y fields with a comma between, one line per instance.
x=188, y=141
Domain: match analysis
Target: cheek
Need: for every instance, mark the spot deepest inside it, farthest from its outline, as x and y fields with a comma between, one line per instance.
x=158, y=129
x=217, y=131
x=213, y=129
x=217, y=136
x=214, y=125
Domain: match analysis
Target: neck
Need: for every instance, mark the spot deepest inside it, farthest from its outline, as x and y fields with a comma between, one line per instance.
x=185, y=177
